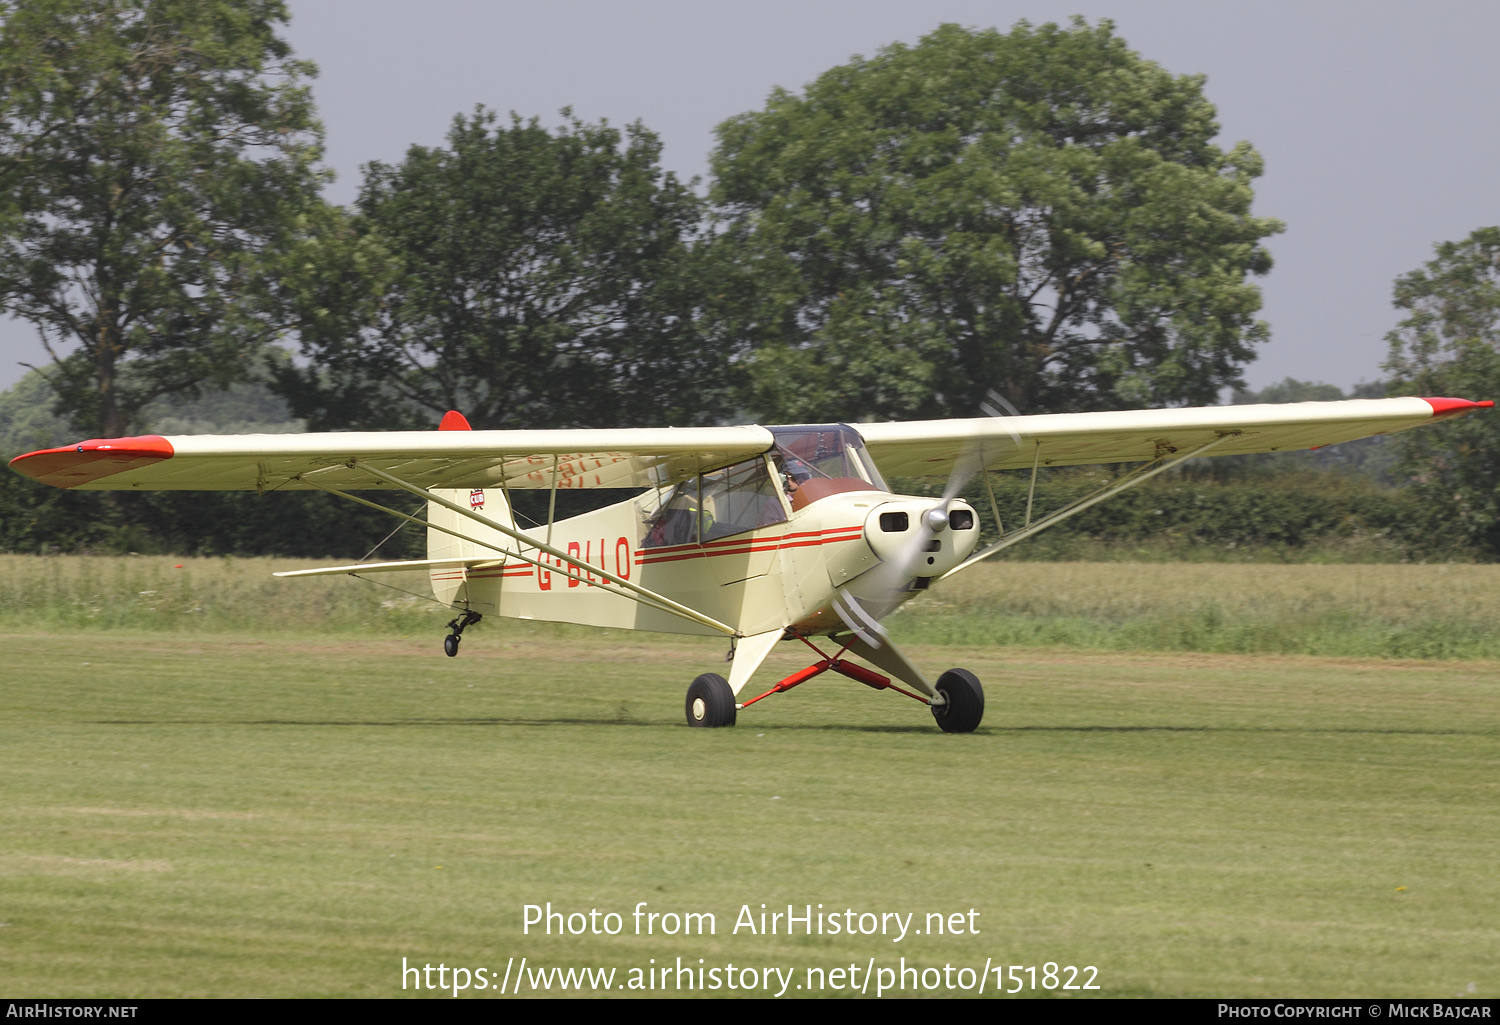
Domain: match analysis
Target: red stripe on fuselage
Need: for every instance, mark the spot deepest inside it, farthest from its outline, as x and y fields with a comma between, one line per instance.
x=736, y=541
x=800, y=539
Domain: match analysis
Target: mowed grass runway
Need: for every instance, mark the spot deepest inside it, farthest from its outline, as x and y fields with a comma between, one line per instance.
x=224, y=815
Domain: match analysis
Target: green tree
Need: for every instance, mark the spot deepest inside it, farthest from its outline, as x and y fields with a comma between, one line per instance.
x=1374, y=457
x=1449, y=345
x=526, y=277
x=1041, y=212
x=27, y=421
x=156, y=157
x=1289, y=389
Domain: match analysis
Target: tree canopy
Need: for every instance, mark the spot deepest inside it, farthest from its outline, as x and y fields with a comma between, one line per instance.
x=1449, y=344
x=528, y=277
x=1040, y=211
x=155, y=156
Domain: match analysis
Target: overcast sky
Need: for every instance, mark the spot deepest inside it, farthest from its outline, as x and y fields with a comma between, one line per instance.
x=1377, y=120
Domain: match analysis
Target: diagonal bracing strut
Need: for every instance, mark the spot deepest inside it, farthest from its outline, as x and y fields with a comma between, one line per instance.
x=1130, y=480
x=650, y=597
x=503, y=553
x=836, y=664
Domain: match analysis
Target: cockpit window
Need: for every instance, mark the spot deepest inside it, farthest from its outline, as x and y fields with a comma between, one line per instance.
x=729, y=501
x=748, y=495
x=833, y=451
x=676, y=520
x=739, y=498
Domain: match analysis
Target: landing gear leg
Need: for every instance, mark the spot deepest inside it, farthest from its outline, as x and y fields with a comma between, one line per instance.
x=450, y=643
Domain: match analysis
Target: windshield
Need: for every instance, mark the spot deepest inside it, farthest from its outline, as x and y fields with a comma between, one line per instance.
x=831, y=450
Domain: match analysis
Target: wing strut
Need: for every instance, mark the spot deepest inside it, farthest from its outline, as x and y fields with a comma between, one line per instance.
x=650, y=597
x=1036, y=460
x=552, y=501
x=672, y=608
x=1139, y=475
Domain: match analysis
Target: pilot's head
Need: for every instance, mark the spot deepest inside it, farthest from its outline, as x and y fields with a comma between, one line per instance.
x=797, y=472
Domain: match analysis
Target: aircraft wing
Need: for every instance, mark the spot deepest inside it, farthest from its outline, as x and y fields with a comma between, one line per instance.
x=524, y=460
x=646, y=457
x=930, y=447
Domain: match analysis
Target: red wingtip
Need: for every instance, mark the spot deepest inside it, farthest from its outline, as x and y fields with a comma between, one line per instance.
x=1443, y=408
x=91, y=460
x=453, y=420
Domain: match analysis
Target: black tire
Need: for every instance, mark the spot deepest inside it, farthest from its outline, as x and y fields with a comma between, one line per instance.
x=450, y=645
x=965, y=705
x=710, y=702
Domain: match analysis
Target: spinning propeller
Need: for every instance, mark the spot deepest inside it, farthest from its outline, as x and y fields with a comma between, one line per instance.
x=884, y=587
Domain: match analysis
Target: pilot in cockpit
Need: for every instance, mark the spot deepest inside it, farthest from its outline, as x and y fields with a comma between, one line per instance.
x=795, y=473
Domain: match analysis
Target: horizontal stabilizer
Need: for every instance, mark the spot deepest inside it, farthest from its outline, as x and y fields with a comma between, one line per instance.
x=390, y=567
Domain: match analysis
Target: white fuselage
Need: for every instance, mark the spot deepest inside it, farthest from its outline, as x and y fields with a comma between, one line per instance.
x=771, y=578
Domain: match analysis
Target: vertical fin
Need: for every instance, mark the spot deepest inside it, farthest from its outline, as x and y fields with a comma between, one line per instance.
x=448, y=586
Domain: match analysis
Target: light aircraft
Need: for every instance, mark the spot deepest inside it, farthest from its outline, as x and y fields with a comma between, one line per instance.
x=758, y=534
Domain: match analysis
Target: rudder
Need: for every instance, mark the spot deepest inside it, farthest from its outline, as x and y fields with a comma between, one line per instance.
x=478, y=541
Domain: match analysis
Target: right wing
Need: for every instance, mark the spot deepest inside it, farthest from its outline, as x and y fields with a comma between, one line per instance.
x=523, y=460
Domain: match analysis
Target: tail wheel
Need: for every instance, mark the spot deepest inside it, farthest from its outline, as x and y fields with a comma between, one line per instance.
x=963, y=708
x=468, y=619
x=710, y=702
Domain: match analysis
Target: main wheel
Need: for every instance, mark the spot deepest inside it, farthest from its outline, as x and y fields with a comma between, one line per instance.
x=450, y=645
x=710, y=702
x=964, y=707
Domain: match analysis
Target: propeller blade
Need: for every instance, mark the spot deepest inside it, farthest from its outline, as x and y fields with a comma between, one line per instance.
x=996, y=405
x=893, y=578
x=971, y=460
x=860, y=623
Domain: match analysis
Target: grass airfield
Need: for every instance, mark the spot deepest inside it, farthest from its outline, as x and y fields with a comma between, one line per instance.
x=216, y=813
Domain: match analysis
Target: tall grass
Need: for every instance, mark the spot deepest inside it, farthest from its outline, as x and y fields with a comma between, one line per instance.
x=1382, y=611
x=202, y=594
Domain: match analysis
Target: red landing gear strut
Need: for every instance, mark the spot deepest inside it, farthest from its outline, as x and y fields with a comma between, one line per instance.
x=836, y=664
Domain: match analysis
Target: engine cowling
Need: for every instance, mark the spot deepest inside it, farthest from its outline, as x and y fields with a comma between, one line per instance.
x=914, y=537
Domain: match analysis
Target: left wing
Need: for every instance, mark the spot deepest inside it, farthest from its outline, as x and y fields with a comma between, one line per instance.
x=931, y=447
x=524, y=460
